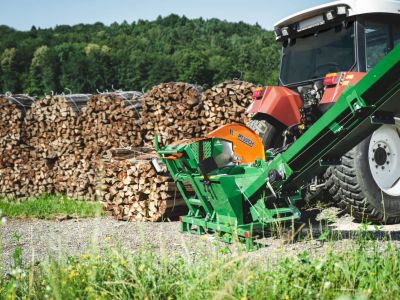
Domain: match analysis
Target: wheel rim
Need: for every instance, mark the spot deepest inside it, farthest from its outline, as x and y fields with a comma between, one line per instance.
x=384, y=159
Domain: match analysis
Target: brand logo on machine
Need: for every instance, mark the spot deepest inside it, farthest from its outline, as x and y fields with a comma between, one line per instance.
x=245, y=140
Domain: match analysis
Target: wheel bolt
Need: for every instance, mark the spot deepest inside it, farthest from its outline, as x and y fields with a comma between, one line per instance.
x=383, y=168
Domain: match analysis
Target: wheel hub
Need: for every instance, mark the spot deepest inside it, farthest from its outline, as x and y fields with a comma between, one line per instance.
x=380, y=156
x=384, y=159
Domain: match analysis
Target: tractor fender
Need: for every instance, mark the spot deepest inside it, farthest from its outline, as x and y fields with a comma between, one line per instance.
x=279, y=103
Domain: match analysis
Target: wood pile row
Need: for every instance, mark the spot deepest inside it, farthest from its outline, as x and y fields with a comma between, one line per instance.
x=132, y=191
x=111, y=120
x=12, y=112
x=226, y=103
x=57, y=144
x=171, y=110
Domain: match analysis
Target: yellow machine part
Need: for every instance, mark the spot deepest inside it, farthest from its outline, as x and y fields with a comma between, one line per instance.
x=247, y=145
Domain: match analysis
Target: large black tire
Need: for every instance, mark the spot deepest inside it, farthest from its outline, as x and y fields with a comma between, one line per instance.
x=353, y=188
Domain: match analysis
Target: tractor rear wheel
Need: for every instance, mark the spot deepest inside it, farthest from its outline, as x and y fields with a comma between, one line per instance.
x=367, y=184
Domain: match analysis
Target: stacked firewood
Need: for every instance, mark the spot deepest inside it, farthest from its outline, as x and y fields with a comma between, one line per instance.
x=53, y=125
x=24, y=173
x=111, y=120
x=132, y=191
x=76, y=174
x=58, y=144
x=171, y=110
x=225, y=103
x=12, y=112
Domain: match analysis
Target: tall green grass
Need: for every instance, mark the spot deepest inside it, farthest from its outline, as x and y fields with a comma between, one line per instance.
x=363, y=271
x=49, y=207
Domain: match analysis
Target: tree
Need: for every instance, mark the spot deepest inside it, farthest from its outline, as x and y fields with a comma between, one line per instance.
x=9, y=80
x=86, y=58
x=43, y=75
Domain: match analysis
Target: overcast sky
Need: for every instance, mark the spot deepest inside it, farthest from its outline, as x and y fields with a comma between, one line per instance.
x=22, y=14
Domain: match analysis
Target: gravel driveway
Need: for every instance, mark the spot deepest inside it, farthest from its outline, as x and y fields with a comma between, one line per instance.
x=38, y=238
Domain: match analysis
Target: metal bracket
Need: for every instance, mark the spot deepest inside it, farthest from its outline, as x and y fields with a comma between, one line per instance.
x=383, y=118
x=331, y=161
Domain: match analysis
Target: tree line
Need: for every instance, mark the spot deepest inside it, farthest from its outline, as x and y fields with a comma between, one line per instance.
x=135, y=56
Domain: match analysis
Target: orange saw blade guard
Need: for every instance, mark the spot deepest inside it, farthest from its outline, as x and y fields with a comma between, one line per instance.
x=247, y=145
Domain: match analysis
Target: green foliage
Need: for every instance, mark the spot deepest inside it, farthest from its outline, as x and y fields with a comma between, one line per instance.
x=135, y=56
x=49, y=207
x=363, y=271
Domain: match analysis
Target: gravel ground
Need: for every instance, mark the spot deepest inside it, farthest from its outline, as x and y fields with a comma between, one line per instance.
x=39, y=238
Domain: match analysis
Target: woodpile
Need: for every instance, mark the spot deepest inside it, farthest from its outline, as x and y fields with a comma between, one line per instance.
x=24, y=173
x=81, y=145
x=12, y=112
x=171, y=110
x=225, y=103
x=111, y=120
x=132, y=191
x=53, y=125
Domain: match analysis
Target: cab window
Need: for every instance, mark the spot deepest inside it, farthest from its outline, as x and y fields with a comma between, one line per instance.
x=396, y=31
x=377, y=38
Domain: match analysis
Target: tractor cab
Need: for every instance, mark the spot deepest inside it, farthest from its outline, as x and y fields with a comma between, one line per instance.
x=336, y=37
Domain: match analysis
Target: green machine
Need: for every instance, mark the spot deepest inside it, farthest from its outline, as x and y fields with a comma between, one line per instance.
x=234, y=189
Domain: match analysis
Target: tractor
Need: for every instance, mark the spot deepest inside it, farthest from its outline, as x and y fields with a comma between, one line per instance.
x=331, y=123
x=325, y=49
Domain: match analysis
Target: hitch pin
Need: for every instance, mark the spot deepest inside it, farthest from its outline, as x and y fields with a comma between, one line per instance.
x=271, y=188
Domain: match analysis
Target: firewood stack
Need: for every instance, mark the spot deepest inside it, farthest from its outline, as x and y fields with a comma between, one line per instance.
x=171, y=110
x=225, y=103
x=132, y=191
x=111, y=120
x=53, y=125
x=76, y=174
x=24, y=173
x=12, y=112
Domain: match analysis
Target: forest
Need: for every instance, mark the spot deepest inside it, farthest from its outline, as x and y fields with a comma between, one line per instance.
x=135, y=56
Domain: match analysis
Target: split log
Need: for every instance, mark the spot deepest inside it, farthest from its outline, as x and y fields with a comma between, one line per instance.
x=76, y=174
x=24, y=173
x=111, y=120
x=13, y=109
x=53, y=125
x=171, y=110
x=225, y=103
x=134, y=192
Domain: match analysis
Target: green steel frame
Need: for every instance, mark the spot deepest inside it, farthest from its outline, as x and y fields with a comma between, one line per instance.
x=241, y=200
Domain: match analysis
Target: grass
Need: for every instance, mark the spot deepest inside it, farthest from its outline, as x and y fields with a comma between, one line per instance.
x=363, y=271
x=49, y=207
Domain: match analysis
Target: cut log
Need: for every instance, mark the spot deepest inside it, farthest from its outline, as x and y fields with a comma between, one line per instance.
x=171, y=110
x=13, y=109
x=132, y=191
x=225, y=103
x=111, y=120
x=53, y=125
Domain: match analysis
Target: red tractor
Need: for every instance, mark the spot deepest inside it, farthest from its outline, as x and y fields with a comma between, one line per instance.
x=326, y=49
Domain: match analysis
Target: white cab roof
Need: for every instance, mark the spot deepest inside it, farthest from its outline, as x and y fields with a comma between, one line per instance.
x=356, y=7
